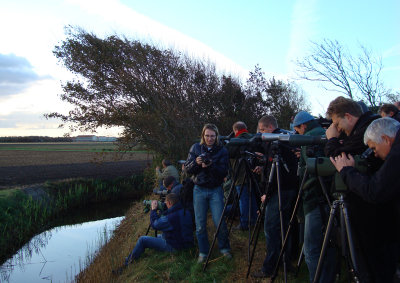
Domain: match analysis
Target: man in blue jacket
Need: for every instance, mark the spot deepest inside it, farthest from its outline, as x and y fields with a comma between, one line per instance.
x=175, y=225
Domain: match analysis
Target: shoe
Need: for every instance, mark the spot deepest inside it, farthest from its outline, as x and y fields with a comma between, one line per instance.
x=201, y=259
x=240, y=228
x=227, y=255
x=260, y=274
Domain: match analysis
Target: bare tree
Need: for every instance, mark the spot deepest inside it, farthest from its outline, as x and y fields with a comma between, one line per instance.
x=356, y=77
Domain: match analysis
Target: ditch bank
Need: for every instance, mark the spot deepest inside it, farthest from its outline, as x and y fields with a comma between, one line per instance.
x=30, y=210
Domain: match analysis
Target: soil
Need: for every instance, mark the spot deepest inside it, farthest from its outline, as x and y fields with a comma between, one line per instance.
x=27, y=170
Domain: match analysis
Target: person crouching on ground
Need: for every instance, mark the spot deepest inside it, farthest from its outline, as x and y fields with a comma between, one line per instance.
x=208, y=162
x=176, y=226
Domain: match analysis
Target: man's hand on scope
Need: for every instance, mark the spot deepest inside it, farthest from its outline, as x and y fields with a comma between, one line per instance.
x=297, y=152
x=341, y=161
x=263, y=197
x=154, y=205
x=258, y=169
x=332, y=132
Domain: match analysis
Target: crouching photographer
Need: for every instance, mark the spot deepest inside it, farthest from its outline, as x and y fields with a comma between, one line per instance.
x=175, y=224
x=383, y=187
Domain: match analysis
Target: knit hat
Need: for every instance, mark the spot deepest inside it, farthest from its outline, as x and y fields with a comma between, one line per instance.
x=301, y=118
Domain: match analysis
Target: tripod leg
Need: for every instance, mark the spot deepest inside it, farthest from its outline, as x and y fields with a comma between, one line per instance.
x=256, y=234
x=281, y=218
x=292, y=219
x=260, y=217
x=349, y=235
x=148, y=229
x=326, y=241
x=299, y=261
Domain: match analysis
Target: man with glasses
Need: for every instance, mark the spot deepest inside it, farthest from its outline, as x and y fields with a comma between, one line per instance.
x=208, y=163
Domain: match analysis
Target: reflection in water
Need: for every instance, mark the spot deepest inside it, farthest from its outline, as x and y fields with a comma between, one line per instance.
x=58, y=254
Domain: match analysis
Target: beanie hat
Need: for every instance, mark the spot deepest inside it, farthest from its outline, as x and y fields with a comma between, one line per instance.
x=301, y=118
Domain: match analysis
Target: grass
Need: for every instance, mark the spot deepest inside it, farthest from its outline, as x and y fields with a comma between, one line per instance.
x=182, y=266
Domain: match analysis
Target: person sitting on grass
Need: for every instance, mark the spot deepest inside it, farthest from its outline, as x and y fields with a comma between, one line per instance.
x=176, y=226
x=161, y=174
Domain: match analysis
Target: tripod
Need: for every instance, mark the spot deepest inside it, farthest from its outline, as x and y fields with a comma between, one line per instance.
x=253, y=188
x=275, y=168
x=346, y=237
x=303, y=185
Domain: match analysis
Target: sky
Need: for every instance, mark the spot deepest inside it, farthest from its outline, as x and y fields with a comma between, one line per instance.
x=235, y=35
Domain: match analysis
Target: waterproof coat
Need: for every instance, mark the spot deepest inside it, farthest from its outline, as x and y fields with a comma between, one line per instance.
x=382, y=187
x=213, y=175
x=312, y=194
x=176, y=225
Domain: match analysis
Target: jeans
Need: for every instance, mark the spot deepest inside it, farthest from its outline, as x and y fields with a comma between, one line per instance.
x=272, y=228
x=204, y=198
x=244, y=207
x=144, y=242
x=313, y=238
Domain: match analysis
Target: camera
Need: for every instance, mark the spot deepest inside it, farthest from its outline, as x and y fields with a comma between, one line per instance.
x=160, y=193
x=205, y=158
x=147, y=205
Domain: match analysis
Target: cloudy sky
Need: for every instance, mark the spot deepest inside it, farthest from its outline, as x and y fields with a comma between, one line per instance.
x=234, y=34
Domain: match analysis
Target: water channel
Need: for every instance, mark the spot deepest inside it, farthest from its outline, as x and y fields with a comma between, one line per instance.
x=58, y=254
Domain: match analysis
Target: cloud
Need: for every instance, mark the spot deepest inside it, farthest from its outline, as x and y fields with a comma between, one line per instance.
x=16, y=74
x=16, y=119
x=117, y=16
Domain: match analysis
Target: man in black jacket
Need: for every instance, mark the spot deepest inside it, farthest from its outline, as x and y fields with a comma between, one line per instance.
x=346, y=135
x=288, y=190
x=383, y=136
x=208, y=163
x=245, y=203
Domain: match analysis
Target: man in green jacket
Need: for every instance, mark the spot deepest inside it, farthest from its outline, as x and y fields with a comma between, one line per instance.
x=315, y=207
x=168, y=170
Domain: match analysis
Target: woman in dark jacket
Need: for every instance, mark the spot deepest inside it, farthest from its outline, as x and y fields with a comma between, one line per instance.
x=208, y=163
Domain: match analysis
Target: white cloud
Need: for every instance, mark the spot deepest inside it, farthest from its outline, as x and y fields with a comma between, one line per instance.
x=121, y=18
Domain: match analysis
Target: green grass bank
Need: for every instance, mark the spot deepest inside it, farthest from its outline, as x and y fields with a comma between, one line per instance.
x=25, y=212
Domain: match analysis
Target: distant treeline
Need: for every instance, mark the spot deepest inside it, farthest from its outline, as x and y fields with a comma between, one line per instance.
x=35, y=139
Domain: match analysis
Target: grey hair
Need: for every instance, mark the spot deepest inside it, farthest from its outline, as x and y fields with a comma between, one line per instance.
x=381, y=127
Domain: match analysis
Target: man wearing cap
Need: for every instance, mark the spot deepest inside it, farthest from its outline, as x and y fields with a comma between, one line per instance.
x=315, y=206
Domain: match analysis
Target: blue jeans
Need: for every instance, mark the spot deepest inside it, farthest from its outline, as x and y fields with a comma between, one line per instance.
x=272, y=228
x=204, y=198
x=144, y=242
x=313, y=238
x=244, y=207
